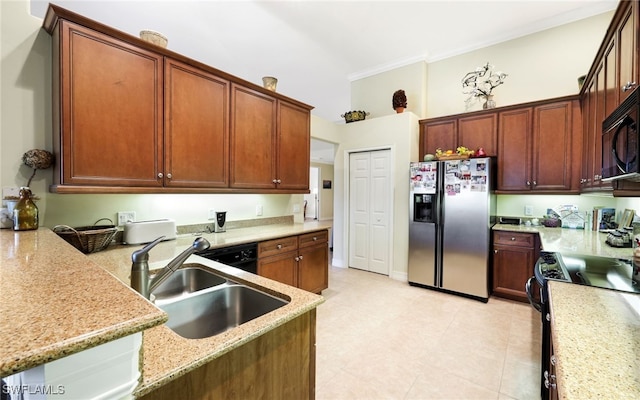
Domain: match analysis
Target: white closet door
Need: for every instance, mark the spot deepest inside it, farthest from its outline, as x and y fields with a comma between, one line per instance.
x=369, y=211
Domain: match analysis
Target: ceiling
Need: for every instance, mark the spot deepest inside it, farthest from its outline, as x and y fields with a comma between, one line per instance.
x=316, y=48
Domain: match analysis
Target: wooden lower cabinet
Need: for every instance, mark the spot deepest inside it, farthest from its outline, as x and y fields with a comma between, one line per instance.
x=514, y=257
x=301, y=261
x=280, y=364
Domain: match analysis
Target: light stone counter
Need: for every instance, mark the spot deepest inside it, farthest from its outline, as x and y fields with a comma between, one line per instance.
x=57, y=302
x=571, y=241
x=167, y=355
x=596, y=337
x=596, y=332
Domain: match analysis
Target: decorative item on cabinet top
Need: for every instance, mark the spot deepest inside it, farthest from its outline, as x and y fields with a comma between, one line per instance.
x=352, y=116
x=399, y=101
x=154, y=37
x=479, y=84
x=269, y=83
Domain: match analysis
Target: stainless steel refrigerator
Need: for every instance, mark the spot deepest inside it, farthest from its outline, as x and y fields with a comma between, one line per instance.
x=452, y=209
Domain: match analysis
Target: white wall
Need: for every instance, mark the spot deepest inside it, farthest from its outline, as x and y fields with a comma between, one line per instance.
x=400, y=133
x=373, y=94
x=540, y=66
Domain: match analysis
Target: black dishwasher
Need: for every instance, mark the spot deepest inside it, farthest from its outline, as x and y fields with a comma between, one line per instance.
x=242, y=256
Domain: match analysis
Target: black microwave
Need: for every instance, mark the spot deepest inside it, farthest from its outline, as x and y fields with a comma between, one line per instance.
x=620, y=144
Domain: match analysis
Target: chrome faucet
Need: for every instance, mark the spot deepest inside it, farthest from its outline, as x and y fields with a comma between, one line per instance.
x=140, y=281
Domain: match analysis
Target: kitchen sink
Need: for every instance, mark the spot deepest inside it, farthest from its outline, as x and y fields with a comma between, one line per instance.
x=201, y=303
x=217, y=310
x=188, y=279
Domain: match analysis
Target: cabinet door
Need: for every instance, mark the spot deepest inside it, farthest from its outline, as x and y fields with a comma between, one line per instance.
x=438, y=135
x=196, y=127
x=512, y=267
x=313, y=268
x=611, y=87
x=514, y=150
x=282, y=268
x=253, y=139
x=627, y=53
x=111, y=110
x=293, y=143
x=552, y=147
x=588, y=103
x=479, y=131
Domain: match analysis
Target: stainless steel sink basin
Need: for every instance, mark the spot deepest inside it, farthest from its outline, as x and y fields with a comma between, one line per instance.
x=191, y=278
x=217, y=310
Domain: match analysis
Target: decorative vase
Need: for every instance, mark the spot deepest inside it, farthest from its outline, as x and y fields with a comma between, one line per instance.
x=25, y=213
x=489, y=102
x=269, y=83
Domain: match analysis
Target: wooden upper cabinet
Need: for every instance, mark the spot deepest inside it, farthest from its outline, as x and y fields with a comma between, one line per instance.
x=293, y=144
x=196, y=127
x=479, y=131
x=553, y=147
x=448, y=133
x=540, y=147
x=514, y=149
x=108, y=110
x=253, y=139
x=132, y=117
x=626, y=36
x=440, y=134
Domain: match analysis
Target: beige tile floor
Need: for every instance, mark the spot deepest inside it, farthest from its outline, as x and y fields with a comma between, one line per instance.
x=378, y=338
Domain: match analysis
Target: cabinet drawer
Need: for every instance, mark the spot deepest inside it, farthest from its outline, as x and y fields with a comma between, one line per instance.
x=313, y=238
x=277, y=246
x=515, y=239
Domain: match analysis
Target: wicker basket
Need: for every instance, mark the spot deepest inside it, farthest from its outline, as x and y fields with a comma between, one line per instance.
x=88, y=239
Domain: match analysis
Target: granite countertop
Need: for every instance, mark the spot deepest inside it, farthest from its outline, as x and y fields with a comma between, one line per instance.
x=168, y=355
x=596, y=332
x=54, y=302
x=571, y=241
x=596, y=338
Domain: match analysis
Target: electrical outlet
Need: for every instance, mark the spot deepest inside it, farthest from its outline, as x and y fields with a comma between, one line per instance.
x=126, y=216
x=258, y=210
x=212, y=213
x=528, y=211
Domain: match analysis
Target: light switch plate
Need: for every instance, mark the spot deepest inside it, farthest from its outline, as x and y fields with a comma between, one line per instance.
x=528, y=211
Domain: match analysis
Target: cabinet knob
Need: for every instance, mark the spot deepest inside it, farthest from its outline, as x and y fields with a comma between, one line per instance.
x=299, y=257
x=513, y=239
x=278, y=181
x=495, y=251
x=315, y=238
x=528, y=183
x=628, y=86
x=535, y=183
x=160, y=175
x=279, y=246
x=169, y=176
x=275, y=181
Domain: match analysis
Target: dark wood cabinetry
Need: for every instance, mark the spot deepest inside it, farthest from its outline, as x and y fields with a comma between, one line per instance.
x=115, y=137
x=196, y=127
x=538, y=145
x=131, y=117
x=301, y=261
x=471, y=131
x=611, y=78
x=514, y=257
